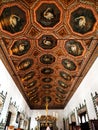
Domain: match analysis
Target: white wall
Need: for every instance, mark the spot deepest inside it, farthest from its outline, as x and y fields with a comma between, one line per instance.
x=89, y=85
x=50, y=112
x=8, y=85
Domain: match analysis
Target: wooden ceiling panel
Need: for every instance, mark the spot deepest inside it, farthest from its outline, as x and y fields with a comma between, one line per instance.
x=46, y=46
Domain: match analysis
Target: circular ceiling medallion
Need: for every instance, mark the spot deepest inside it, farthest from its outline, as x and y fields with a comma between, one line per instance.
x=28, y=76
x=25, y=64
x=65, y=76
x=47, y=59
x=47, y=86
x=13, y=19
x=47, y=80
x=68, y=64
x=47, y=42
x=20, y=47
x=31, y=84
x=59, y=89
x=48, y=14
x=82, y=20
x=47, y=99
x=62, y=84
x=74, y=47
x=47, y=70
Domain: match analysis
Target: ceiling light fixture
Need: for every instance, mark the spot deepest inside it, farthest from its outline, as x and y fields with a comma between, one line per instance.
x=47, y=119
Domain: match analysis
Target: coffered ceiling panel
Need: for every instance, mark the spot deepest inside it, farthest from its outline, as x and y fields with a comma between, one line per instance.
x=48, y=47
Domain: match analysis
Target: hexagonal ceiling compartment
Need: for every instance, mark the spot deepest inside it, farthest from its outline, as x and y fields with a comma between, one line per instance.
x=47, y=45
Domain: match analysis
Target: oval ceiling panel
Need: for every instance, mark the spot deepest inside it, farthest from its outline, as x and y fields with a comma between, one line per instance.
x=62, y=84
x=31, y=84
x=28, y=76
x=65, y=76
x=47, y=99
x=13, y=19
x=32, y=91
x=25, y=64
x=47, y=92
x=47, y=42
x=47, y=59
x=47, y=80
x=47, y=86
x=34, y=96
x=20, y=47
x=48, y=14
x=60, y=96
x=59, y=89
x=82, y=20
x=58, y=100
x=47, y=70
x=36, y=100
x=68, y=64
x=74, y=47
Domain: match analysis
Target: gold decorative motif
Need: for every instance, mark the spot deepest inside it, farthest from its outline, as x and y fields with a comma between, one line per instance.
x=48, y=14
x=14, y=19
x=81, y=20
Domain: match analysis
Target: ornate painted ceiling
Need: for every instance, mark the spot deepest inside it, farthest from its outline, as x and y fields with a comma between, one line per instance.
x=48, y=46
